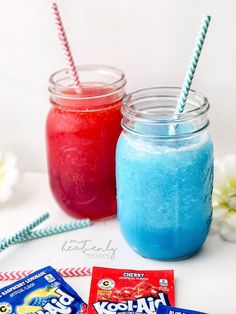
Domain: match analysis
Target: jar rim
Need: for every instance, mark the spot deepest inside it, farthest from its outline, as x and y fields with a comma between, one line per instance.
x=56, y=88
x=152, y=92
x=154, y=108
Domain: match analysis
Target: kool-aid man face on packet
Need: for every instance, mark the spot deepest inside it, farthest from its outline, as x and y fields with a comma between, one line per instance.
x=120, y=290
x=42, y=292
x=163, y=309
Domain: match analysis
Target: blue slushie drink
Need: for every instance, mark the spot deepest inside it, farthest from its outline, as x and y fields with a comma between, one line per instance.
x=164, y=178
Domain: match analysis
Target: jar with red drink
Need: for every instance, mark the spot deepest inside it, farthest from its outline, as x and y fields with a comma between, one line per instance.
x=82, y=129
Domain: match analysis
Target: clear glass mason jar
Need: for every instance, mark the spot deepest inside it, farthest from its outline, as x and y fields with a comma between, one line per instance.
x=82, y=129
x=164, y=178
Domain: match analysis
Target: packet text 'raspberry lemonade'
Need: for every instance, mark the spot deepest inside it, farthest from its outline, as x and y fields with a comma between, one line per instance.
x=121, y=290
x=42, y=292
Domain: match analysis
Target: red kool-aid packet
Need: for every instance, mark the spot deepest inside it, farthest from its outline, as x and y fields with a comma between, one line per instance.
x=122, y=290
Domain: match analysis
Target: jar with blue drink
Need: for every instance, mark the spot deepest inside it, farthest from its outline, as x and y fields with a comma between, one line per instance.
x=164, y=171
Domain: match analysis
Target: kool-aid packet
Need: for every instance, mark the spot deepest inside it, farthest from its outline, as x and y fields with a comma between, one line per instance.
x=42, y=292
x=162, y=309
x=121, y=290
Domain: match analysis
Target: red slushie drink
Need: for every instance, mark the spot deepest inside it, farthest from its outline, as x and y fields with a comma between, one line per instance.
x=82, y=129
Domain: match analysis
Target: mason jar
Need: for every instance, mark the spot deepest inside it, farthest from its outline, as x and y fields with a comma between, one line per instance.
x=164, y=170
x=82, y=129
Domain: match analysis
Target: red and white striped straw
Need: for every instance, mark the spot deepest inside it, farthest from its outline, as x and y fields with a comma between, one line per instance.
x=65, y=45
x=64, y=272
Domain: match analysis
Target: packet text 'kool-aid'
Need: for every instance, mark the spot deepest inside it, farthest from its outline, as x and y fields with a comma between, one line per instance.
x=42, y=292
x=121, y=290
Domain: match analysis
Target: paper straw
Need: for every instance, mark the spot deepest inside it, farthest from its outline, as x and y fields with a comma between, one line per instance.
x=64, y=272
x=65, y=45
x=74, y=272
x=193, y=64
x=22, y=233
x=53, y=230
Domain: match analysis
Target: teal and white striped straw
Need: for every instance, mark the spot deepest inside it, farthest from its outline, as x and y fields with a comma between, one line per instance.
x=22, y=233
x=53, y=230
x=193, y=64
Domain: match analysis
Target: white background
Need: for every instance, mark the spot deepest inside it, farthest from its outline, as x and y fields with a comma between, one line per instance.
x=151, y=40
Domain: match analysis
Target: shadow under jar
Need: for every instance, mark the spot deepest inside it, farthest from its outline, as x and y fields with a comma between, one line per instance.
x=82, y=129
x=164, y=169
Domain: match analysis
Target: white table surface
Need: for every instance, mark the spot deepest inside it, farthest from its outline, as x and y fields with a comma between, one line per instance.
x=204, y=282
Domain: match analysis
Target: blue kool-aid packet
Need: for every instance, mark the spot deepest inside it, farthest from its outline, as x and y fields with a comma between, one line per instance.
x=42, y=292
x=163, y=309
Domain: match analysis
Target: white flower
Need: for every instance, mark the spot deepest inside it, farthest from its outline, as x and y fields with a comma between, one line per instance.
x=224, y=198
x=8, y=175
